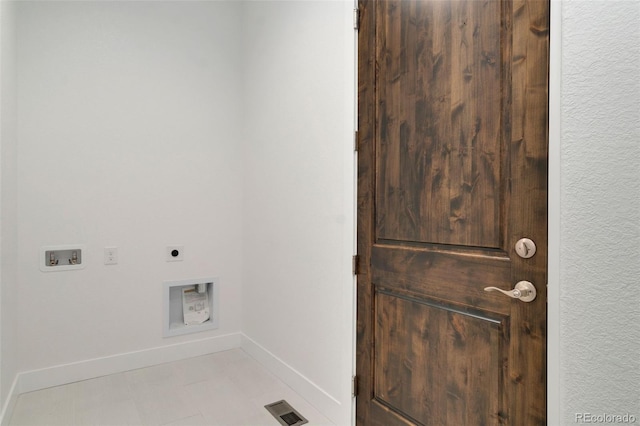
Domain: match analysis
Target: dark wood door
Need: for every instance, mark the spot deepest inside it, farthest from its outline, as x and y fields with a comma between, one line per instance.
x=452, y=172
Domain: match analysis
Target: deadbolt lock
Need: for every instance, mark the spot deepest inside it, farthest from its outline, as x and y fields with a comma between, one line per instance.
x=525, y=248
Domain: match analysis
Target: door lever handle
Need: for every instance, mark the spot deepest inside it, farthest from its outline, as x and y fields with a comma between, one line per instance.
x=524, y=290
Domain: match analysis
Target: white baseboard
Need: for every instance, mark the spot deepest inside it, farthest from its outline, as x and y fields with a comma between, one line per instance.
x=29, y=381
x=9, y=403
x=329, y=406
x=68, y=373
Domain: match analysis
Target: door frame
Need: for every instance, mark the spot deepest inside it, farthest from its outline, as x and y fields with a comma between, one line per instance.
x=554, y=371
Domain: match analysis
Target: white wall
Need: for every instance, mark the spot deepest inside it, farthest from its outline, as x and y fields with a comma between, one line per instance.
x=129, y=137
x=298, y=199
x=8, y=206
x=131, y=117
x=600, y=209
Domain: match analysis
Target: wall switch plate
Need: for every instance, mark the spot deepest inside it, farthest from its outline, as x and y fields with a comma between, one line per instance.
x=111, y=255
x=175, y=253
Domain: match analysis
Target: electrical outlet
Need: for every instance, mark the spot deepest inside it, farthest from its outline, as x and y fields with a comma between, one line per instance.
x=175, y=253
x=111, y=255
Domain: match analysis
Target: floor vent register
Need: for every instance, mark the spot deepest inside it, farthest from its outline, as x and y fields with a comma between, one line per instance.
x=285, y=414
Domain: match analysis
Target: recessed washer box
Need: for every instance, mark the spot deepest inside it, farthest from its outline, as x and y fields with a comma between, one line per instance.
x=173, y=316
x=62, y=258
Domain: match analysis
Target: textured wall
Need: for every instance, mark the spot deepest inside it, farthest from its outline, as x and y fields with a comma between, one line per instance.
x=600, y=196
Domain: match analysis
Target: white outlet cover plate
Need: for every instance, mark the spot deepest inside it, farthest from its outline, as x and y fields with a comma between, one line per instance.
x=111, y=255
x=171, y=257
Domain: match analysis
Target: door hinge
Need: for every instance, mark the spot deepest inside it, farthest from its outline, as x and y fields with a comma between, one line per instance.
x=356, y=141
x=355, y=267
x=355, y=389
x=356, y=19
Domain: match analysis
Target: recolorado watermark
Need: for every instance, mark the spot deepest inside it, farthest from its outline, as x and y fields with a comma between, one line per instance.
x=605, y=418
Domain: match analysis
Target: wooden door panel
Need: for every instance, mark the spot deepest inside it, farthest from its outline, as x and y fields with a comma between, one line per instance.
x=454, y=277
x=452, y=171
x=437, y=374
x=439, y=116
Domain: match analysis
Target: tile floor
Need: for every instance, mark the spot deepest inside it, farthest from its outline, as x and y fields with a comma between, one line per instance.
x=227, y=388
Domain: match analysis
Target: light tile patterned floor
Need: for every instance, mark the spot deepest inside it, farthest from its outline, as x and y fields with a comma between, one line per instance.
x=227, y=388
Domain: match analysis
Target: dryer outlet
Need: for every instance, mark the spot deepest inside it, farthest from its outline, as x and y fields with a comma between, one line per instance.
x=175, y=253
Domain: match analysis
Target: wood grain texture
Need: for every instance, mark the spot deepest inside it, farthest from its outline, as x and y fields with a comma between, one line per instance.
x=365, y=211
x=452, y=277
x=438, y=376
x=527, y=214
x=439, y=112
x=452, y=171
